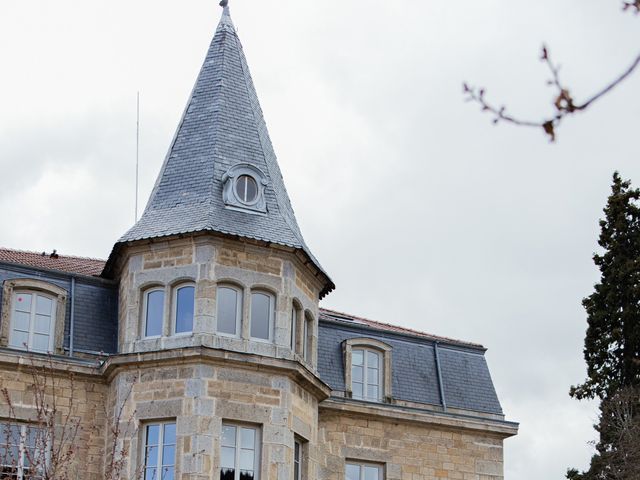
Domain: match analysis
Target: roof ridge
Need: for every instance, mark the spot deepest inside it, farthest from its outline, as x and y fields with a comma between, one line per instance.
x=399, y=329
x=75, y=257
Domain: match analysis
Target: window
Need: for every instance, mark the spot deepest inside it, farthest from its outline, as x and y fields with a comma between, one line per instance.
x=153, y=312
x=365, y=374
x=262, y=312
x=298, y=459
x=184, y=308
x=306, y=339
x=246, y=189
x=33, y=321
x=239, y=453
x=367, y=369
x=229, y=307
x=160, y=451
x=243, y=188
x=296, y=316
x=363, y=471
x=22, y=452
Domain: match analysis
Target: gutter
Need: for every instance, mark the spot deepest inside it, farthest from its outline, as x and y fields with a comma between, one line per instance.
x=72, y=301
x=440, y=382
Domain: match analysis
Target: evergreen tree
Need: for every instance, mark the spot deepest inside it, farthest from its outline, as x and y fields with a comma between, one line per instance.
x=612, y=343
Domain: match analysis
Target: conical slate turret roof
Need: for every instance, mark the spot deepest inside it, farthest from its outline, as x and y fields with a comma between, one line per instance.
x=222, y=126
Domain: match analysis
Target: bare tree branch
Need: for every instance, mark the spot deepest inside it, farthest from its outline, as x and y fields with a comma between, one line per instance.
x=563, y=103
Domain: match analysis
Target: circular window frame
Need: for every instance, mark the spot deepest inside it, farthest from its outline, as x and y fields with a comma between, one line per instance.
x=256, y=186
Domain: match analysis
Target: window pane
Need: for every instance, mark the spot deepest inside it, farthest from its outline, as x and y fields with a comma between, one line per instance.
x=151, y=458
x=227, y=310
x=244, y=475
x=353, y=472
x=42, y=324
x=371, y=473
x=227, y=457
x=260, y=315
x=294, y=321
x=356, y=374
x=168, y=455
x=21, y=321
x=43, y=305
x=169, y=433
x=184, y=309
x=305, y=348
x=228, y=435
x=373, y=392
x=357, y=390
x=150, y=474
x=40, y=342
x=23, y=302
x=227, y=473
x=373, y=376
x=373, y=360
x=357, y=357
x=153, y=434
x=246, y=460
x=19, y=339
x=155, y=310
x=168, y=473
x=247, y=438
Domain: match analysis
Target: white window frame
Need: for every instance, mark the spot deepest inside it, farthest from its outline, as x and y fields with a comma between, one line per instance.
x=362, y=465
x=145, y=300
x=272, y=310
x=160, y=446
x=32, y=318
x=299, y=461
x=239, y=304
x=22, y=447
x=306, y=340
x=174, y=309
x=365, y=376
x=295, y=313
x=256, y=448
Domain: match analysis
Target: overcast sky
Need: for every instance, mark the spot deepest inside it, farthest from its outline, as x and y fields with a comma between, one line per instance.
x=424, y=214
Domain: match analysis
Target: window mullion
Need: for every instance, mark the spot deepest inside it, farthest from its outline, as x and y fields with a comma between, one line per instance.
x=32, y=321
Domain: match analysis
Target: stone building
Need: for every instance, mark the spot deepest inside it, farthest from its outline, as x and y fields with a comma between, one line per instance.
x=202, y=334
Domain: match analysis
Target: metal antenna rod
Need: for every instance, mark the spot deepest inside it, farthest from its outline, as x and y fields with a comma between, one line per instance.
x=137, y=150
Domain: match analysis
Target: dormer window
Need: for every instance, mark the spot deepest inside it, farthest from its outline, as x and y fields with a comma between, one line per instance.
x=33, y=321
x=246, y=189
x=367, y=369
x=243, y=188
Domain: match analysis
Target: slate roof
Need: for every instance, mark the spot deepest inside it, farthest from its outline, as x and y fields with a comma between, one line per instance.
x=222, y=126
x=62, y=263
x=466, y=381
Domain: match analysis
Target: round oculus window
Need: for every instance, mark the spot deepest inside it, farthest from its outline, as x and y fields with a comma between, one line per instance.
x=246, y=189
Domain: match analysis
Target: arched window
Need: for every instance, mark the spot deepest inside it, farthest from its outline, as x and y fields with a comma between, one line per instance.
x=296, y=318
x=262, y=315
x=367, y=369
x=366, y=374
x=184, y=307
x=229, y=310
x=307, y=337
x=33, y=321
x=153, y=312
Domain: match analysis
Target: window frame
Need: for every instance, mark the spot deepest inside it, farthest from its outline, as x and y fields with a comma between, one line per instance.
x=174, y=308
x=366, y=383
x=361, y=465
x=145, y=303
x=32, y=319
x=160, y=447
x=257, y=448
x=300, y=447
x=385, y=378
x=307, y=337
x=25, y=431
x=28, y=285
x=239, y=309
x=272, y=314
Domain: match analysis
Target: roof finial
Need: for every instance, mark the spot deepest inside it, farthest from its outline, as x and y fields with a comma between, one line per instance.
x=224, y=3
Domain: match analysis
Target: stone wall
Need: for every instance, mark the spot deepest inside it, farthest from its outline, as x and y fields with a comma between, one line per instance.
x=206, y=261
x=407, y=450
x=80, y=400
x=200, y=397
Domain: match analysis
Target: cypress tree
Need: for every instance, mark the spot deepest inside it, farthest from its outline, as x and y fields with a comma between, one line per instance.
x=612, y=342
